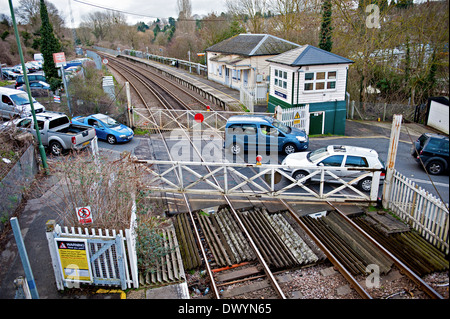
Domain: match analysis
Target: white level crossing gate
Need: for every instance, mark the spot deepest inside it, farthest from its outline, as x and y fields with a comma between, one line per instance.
x=262, y=181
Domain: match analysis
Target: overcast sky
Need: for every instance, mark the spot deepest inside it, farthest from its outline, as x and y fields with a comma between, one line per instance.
x=147, y=8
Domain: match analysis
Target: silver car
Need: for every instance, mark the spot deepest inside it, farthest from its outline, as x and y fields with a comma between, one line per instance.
x=340, y=157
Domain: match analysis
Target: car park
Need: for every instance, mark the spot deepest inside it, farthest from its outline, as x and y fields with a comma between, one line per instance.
x=349, y=162
x=106, y=128
x=433, y=151
x=250, y=132
x=15, y=103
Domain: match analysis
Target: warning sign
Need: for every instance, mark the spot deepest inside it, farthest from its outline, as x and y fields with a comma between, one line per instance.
x=297, y=118
x=84, y=215
x=74, y=259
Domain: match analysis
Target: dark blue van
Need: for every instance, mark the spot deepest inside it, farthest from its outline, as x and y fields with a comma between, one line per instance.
x=253, y=132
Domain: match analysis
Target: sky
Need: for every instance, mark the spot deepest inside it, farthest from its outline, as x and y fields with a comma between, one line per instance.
x=149, y=9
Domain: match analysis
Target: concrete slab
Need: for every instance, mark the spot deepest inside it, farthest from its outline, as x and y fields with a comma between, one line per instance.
x=306, y=208
x=177, y=291
x=328, y=272
x=245, y=289
x=343, y=290
x=296, y=295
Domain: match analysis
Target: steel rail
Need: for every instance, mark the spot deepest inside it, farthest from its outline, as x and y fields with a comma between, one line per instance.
x=159, y=85
x=268, y=272
x=405, y=269
x=197, y=235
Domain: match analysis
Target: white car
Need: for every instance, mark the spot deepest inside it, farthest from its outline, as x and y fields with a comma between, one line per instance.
x=302, y=164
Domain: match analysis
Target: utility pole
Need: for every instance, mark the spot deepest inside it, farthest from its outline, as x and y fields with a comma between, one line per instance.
x=27, y=83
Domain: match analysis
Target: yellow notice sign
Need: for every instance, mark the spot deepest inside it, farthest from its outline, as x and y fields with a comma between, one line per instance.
x=297, y=118
x=74, y=259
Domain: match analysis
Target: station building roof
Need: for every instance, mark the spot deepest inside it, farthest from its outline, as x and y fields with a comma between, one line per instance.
x=308, y=55
x=253, y=45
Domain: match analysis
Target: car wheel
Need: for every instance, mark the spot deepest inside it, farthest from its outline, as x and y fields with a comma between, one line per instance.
x=111, y=139
x=434, y=167
x=56, y=148
x=298, y=175
x=289, y=148
x=365, y=184
x=236, y=149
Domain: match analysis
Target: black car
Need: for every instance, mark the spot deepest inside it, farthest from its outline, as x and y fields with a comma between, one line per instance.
x=31, y=78
x=432, y=150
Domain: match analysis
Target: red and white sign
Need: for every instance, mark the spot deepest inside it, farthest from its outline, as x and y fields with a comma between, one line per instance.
x=84, y=215
x=59, y=59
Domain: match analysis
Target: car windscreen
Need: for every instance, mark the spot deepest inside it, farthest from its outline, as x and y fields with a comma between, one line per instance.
x=109, y=122
x=21, y=99
x=283, y=128
x=318, y=154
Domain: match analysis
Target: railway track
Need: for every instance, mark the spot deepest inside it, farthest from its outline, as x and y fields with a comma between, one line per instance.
x=261, y=260
x=218, y=249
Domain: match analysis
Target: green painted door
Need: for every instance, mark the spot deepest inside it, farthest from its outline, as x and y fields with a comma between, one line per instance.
x=316, y=123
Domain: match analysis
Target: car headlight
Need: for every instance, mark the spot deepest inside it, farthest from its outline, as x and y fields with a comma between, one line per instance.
x=301, y=138
x=123, y=136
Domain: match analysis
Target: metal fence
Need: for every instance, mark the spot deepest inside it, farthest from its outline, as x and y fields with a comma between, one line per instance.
x=381, y=111
x=421, y=210
x=18, y=178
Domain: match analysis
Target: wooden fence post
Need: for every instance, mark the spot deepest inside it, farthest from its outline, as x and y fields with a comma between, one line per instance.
x=393, y=145
x=49, y=232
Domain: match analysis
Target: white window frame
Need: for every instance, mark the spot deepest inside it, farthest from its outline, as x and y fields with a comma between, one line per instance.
x=280, y=79
x=325, y=81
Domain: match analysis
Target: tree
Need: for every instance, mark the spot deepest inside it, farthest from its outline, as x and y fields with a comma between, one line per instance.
x=49, y=45
x=325, y=42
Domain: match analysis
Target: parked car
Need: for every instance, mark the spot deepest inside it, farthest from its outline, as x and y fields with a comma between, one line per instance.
x=9, y=74
x=31, y=78
x=433, y=151
x=31, y=67
x=37, y=64
x=18, y=69
x=16, y=103
x=247, y=132
x=20, y=123
x=36, y=85
x=58, y=133
x=106, y=128
x=302, y=164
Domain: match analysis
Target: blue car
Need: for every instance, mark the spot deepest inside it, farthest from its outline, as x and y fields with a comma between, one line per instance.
x=250, y=132
x=106, y=128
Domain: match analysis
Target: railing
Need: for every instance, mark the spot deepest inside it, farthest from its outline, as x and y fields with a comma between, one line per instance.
x=242, y=179
x=421, y=210
x=166, y=120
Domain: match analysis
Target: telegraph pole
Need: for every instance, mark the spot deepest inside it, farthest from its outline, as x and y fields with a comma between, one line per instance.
x=27, y=83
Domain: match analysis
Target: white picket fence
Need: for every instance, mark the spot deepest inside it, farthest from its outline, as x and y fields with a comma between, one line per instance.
x=294, y=116
x=421, y=210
